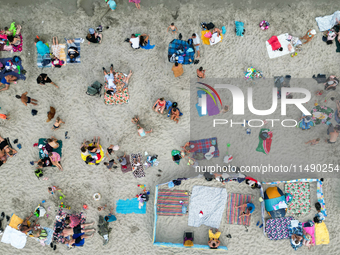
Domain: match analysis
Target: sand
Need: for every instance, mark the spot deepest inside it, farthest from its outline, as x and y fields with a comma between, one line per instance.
x=87, y=116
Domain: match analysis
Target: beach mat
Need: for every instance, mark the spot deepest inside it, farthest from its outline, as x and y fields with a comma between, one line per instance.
x=58, y=150
x=234, y=213
x=300, y=192
x=265, y=145
x=175, y=44
x=19, y=76
x=129, y=206
x=128, y=165
x=168, y=202
x=77, y=43
x=203, y=146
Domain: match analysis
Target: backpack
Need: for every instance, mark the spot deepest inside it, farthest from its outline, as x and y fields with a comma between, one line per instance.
x=264, y=135
x=38, y=173
x=94, y=89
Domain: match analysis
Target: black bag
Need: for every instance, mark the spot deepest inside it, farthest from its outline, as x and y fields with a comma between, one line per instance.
x=264, y=135
x=210, y=26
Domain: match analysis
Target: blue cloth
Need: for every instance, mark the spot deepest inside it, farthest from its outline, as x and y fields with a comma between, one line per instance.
x=112, y=4
x=148, y=46
x=42, y=48
x=77, y=42
x=251, y=207
x=4, y=81
x=81, y=243
x=129, y=206
x=111, y=218
x=19, y=76
x=239, y=28
x=176, y=44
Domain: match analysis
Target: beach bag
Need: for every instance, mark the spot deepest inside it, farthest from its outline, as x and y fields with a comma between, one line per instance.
x=210, y=26
x=94, y=89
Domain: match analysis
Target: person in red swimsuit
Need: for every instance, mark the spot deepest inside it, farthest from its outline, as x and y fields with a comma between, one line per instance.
x=159, y=106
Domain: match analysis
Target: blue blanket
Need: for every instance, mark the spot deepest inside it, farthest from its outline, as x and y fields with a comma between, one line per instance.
x=148, y=46
x=19, y=76
x=297, y=231
x=176, y=44
x=77, y=43
x=129, y=206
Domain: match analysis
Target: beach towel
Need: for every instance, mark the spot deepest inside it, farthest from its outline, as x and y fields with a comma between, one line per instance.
x=265, y=145
x=44, y=61
x=327, y=22
x=297, y=231
x=321, y=114
x=130, y=206
x=63, y=53
x=58, y=150
x=59, y=224
x=206, y=41
x=49, y=237
x=201, y=105
x=138, y=168
x=277, y=229
x=284, y=44
x=14, y=237
x=15, y=221
x=20, y=76
x=170, y=202
x=300, y=192
x=321, y=234
x=117, y=98
x=148, y=46
x=77, y=42
x=203, y=146
x=321, y=198
x=177, y=44
x=233, y=213
x=311, y=231
x=206, y=206
x=128, y=165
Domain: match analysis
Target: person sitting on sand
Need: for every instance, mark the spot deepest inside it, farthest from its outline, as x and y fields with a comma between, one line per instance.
x=142, y=132
x=51, y=143
x=218, y=31
x=94, y=37
x=6, y=149
x=101, y=208
x=143, y=39
x=214, y=241
x=24, y=228
x=134, y=41
x=43, y=79
x=120, y=77
x=159, y=106
x=314, y=141
x=57, y=123
x=52, y=189
x=173, y=28
x=135, y=120
x=77, y=230
x=331, y=82
x=333, y=132
x=72, y=221
x=174, y=114
x=42, y=48
x=200, y=73
x=110, y=217
x=249, y=209
x=7, y=80
x=122, y=160
x=111, y=149
x=44, y=162
x=110, y=164
x=337, y=112
x=26, y=100
x=177, y=69
x=15, y=40
x=55, y=159
x=296, y=239
x=72, y=50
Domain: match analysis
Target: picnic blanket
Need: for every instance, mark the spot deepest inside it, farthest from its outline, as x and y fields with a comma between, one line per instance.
x=211, y=202
x=284, y=44
x=118, y=98
x=300, y=192
x=321, y=114
x=277, y=229
x=297, y=231
x=203, y=146
x=321, y=234
x=15, y=73
x=14, y=237
x=42, y=153
x=130, y=206
x=177, y=44
x=138, y=168
x=327, y=22
x=233, y=213
x=265, y=145
x=77, y=42
x=168, y=202
x=128, y=165
x=59, y=225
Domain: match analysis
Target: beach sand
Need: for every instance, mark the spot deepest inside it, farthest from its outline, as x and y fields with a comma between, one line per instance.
x=152, y=78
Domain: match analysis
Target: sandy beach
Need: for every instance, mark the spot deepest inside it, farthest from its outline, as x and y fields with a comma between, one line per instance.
x=86, y=116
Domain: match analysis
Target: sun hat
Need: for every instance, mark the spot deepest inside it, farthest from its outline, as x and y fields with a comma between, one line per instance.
x=91, y=31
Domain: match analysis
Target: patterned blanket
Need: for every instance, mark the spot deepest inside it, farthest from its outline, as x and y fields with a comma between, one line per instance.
x=277, y=229
x=300, y=192
x=168, y=202
x=176, y=44
x=203, y=146
x=137, y=165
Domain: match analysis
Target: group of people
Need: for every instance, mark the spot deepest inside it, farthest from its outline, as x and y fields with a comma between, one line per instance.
x=161, y=104
x=49, y=157
x=6, y=150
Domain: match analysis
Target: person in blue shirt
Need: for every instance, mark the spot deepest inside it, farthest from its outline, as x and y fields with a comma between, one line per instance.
x=110, y=217
x=249, y=209
x=41, y=47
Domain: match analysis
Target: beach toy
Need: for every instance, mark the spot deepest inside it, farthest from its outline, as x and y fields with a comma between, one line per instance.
x=224, y=30
x=200, y=214
x=46, y=215
x=141, y=186
x=85, y=207
x=228, y=145
x=264, y=25
x=97, y=196
x=61, y=198
x=43, y=201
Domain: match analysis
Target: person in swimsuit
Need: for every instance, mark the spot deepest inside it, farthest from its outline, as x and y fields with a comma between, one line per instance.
x=52, y=189
x=7, y=81
x=135, y=120
x=124, y=79
x=333, y=132
x=173, y=28
x=309, y=36
x=142, y=132
x=200, y=73
x=24, y=228
x=337, y=112
x=314, y=141
x=55, y=159
x=249, y=209
x=174, y=114
x=159, y=106
x=43, y=79
x=52, y=143
x=26, y=100
x=72, y=50
x=57, y=123
x=77, y=239
x=6, y=149
x=77, y=230
x=111, y=150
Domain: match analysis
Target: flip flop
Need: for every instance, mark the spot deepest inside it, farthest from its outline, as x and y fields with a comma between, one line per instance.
x=261, y=226
x=51, y=245
x=54, y=247
x=257, y=223
x=159, y=170
x=15, y=141
x=8, y=218
x=32, y=163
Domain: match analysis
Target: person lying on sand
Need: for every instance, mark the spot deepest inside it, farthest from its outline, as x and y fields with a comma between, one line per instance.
x=77, y=230
x=314, y=141
x=249, y=209
x=218, y=31
x=52, y=189
x=43, y=79
x=214, y=241
x=26, y=100
x=337, y=112
x=159, y=106
x=109, y=78
x=52, y=143
x=7, y=80
x=309, y=36
x=6, y=149
x=72, y=50
x=331, y=82
x=76, y=240
x=55, y=159
x=24, y=228
x=57, y=123
x=120, y=77
x=333, y=132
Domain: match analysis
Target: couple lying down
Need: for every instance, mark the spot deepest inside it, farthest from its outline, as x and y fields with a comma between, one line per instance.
x=115, y=81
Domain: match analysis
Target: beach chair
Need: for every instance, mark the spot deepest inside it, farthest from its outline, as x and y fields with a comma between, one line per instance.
x=188, y=239
x=94, y=89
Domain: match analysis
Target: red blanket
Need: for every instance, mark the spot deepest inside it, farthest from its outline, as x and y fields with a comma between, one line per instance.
x=274, y=42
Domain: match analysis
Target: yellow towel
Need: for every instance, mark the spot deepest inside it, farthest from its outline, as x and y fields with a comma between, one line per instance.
x=62, y=53
x=206, y=40
x=15, y=221
x=321, y=234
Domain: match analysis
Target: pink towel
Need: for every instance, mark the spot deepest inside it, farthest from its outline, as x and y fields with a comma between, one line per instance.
x=310, y=230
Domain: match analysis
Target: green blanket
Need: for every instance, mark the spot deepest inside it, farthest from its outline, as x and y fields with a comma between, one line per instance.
x=321, y=114
x=58, y=150
x=300, y=192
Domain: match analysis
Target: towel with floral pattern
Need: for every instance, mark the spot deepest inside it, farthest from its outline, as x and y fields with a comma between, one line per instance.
x=300, y=192
x=277, y=229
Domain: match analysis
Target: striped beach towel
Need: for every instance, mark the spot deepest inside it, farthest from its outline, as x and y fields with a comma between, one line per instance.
x=234, y=213
x=41, y=58
x=168, y=202
x=77, y=42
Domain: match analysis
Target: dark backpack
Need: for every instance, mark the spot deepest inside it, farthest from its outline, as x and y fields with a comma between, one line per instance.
x=38, y=173
x=264, y=135
x=210, y=26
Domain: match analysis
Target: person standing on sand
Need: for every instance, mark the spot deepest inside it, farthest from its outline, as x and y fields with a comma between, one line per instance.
x=136, y=2
x=314, y=141
x=177, y=69
x=26, y=100
x=173, y=28
x=333, y=132
x=196, y=42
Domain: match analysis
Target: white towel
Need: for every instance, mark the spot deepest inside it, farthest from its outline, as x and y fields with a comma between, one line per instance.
x=14, y=237
x=327, y=22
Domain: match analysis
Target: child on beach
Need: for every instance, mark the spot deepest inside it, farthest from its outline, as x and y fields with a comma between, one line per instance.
x=52, y=189
x=142, y=132
x=200, y=73
x=173, y=28
x=174, y=114
x=5, y=116
x=57, y=123
x=314, y=141
x=26, y=100
x=136, y=2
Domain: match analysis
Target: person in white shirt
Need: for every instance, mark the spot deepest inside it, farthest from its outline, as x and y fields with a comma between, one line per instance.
x=196, y=42
x=134, y=41
x=109, y=78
